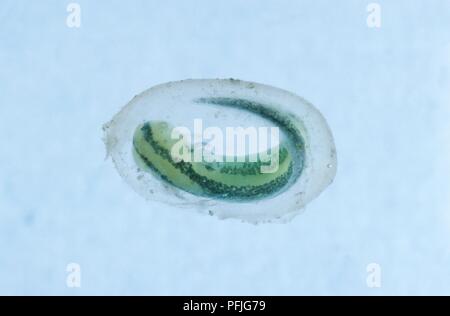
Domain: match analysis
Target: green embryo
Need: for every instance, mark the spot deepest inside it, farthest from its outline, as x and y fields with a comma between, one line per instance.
x=235, y=180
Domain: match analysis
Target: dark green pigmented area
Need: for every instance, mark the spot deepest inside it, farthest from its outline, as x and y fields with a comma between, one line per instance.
x=285, y=123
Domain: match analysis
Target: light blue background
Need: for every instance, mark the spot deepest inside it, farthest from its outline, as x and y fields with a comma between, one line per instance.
x=385, y=93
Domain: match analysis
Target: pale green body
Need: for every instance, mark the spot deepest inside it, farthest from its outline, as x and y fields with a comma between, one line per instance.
x=228, y=180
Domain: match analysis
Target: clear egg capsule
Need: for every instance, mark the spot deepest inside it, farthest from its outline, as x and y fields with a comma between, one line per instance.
x=223, y=147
